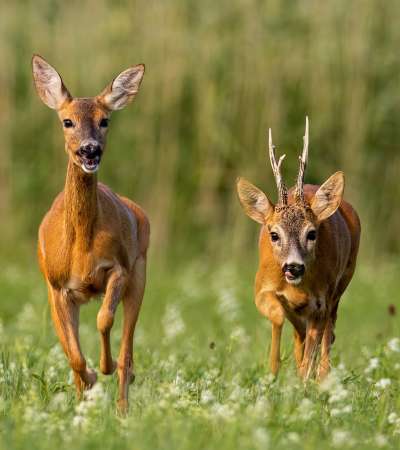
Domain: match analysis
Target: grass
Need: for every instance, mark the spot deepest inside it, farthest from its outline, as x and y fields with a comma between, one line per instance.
x=201, y=376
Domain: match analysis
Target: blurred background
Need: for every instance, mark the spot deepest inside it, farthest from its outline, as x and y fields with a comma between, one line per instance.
x=218, y=74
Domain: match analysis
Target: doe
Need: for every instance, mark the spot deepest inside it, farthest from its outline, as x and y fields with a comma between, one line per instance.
x=92, y=241
x=308, y=249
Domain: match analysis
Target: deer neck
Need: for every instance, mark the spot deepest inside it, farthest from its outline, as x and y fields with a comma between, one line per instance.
x=80, y=200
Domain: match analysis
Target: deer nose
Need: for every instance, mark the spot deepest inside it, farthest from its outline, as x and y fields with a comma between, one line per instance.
x=90, y=150
x=297, y=270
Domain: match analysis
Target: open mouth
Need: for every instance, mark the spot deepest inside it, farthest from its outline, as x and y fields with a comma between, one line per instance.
x=291, y=278
x=90, y=165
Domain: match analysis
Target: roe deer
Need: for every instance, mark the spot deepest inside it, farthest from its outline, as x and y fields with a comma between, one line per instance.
x=92, y=241
x=308, y=249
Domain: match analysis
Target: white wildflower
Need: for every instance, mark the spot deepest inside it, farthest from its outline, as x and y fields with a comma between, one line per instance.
x=383, y=383
x=207, y=397
x=173, y=323
x=381, y=440
x=341, y=438
x=330, y=382
x=26, y=317
x=59, y=402
x=339, y=394
x=239, y=335
x=392, y=418
x=306, y=409
x=347, y=409
x=260, y=408
x=293, y=437
x=238, y=394
x=228, y=305
x=261, y=438
x=223, y=411
x=79, y=421
x=372, y=365
x=335, y=412
x=394, y=345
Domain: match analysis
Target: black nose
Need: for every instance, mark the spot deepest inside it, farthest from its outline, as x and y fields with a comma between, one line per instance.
x=297, y=270
x=90, y=150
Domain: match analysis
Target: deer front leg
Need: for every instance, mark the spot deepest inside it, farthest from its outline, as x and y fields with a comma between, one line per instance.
x=132, y=302
x=65, y=315
x=312, y=341
x=269, y=306
x=298, y=349
x=105, y=318
x=327, y=339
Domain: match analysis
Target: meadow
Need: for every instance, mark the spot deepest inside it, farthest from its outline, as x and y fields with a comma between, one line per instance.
x=202, y=379
x=218, y=74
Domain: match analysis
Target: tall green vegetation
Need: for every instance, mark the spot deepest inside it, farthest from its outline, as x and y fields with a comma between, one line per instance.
x=218, y=74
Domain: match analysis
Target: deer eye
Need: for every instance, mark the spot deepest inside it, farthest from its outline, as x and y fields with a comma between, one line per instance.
x=274, y=237
x=312, y=235
x=68, y=123
x=103, y=123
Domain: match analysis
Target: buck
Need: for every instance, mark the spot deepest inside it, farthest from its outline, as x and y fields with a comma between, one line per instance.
x=92, y=241
x=308, y=249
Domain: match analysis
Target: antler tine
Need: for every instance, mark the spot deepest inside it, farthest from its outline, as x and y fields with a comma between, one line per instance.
x=303, y=164
x=276, y=168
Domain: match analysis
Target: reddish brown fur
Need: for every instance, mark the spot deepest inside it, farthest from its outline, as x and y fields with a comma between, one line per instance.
x=91, y=242
x=308, y=250
x=323, y=284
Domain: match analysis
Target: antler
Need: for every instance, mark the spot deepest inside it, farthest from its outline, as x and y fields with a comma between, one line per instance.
x=276, y=168
x=299, y=193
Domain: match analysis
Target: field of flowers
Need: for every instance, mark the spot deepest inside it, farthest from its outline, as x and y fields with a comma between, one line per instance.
x=201, y=376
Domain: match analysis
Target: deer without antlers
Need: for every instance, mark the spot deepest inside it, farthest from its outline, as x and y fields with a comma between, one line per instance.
x=92, y=241
x=308, y=250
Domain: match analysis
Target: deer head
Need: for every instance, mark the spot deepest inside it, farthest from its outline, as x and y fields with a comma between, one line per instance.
x=293, y=228
x=85, y=120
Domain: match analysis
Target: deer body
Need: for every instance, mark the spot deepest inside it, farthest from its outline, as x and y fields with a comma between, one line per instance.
x=92, y=241
x=91, y=244
x=308, y=249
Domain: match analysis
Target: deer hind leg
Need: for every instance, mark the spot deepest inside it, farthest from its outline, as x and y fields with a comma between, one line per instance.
x=65, y=315
x=314, y=331
x=132, y=302
x=269, y=306
x=105, y=318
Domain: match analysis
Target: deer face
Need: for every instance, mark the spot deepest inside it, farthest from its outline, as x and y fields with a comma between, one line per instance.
x=292, y=228
x=292, y=235
x=85, y=120
x=85, y=123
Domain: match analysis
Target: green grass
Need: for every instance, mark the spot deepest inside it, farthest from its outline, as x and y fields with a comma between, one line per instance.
x=201, y=375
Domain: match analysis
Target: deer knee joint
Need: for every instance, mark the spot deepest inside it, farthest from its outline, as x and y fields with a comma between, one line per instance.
x=105, y=320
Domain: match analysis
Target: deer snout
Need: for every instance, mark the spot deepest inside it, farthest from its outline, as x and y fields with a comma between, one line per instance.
x=90, y=149
x=89, y=154
x=293, y=270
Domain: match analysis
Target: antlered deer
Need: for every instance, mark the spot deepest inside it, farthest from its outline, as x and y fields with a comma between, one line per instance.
x=92, y=241
x=308, y=249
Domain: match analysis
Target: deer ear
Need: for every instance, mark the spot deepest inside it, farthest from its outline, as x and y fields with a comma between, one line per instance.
x=328, y=197
x=123, y=89
x=254, y=202
x=49, y=84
